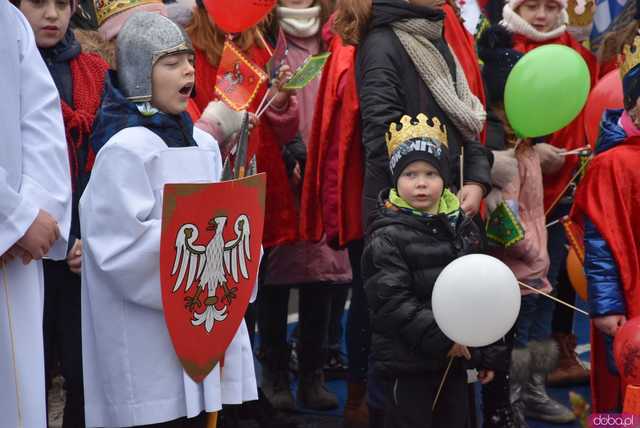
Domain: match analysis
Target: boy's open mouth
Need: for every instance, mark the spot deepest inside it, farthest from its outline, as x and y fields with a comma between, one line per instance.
x=186, y=89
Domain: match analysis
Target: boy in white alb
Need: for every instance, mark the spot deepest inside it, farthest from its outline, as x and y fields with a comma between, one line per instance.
x=144, y=139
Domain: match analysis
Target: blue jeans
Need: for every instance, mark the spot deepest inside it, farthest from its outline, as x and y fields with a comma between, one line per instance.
x=534, y=320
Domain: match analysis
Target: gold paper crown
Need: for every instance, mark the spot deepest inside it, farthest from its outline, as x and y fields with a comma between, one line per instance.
x=107, y=8
x=418, y=128
x=580, y=20
x=630, y=56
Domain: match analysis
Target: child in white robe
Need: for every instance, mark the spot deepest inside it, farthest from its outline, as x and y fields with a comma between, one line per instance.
x=144, y=139
x=35, y=215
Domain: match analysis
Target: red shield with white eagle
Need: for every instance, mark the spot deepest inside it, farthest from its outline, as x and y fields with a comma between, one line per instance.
x=209, y=259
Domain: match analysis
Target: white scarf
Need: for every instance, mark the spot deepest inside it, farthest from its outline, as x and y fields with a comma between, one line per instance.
x=301, y=23
x=516, y=24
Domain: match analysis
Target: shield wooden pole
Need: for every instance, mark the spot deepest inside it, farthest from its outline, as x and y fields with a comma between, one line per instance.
x=5, y=283
x=212, y=421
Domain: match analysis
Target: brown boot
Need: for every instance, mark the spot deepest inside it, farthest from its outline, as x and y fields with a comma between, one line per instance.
x=356, y=411
x=569, y=371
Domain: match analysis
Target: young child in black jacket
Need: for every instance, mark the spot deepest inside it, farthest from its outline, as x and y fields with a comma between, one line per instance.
x=418, y=230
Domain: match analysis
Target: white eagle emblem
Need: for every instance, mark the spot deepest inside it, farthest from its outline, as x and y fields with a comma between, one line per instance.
x=210, y=265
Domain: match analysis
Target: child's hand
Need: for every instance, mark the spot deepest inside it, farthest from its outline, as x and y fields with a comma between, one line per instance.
x=458, y=350
x=282, y=77
x=486, y=376
x=470, y=197
x=609, y=324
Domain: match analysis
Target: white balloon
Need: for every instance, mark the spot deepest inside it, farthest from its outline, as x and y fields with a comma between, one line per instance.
x=476, y=300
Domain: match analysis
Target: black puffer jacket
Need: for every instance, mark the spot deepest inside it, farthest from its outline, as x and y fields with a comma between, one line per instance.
x=390, y=87
x=403, y=256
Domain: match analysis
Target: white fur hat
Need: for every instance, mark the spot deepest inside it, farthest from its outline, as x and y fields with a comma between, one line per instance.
x=514, y=4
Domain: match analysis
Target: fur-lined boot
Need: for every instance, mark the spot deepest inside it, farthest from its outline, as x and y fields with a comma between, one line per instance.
x=518, y=377
x=538, y=404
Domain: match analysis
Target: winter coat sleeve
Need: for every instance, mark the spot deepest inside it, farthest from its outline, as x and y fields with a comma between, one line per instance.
x=119, y=232
x=284, y=122
x=380, y=93
x=46, y=180
x=605, y=294
x=395, y=309
x=491, y=357
x=477, y=165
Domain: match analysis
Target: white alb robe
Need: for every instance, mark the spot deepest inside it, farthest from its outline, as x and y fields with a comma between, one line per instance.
x=131, y=373
x=34, y=175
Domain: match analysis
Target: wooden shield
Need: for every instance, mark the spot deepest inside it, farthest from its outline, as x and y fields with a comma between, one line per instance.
x=209, y=258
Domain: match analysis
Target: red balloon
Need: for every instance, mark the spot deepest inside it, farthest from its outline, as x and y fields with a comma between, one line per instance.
x=626, y=351
x=607, y=94
x=236, y=16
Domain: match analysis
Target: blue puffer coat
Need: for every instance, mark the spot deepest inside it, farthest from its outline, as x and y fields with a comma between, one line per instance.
x=605, y=293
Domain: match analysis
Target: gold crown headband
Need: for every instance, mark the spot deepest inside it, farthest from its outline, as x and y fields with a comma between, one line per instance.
x=418, y=128
x=107, y=8
x=580, y=20
x=631, y=56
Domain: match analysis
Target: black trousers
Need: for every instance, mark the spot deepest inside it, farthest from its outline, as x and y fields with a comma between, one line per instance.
x=315, y=301
x=63, y=336
x=409, y=398
x=358, y=334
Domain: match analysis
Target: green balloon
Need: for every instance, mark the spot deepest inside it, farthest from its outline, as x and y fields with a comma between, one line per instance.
x=546, y=90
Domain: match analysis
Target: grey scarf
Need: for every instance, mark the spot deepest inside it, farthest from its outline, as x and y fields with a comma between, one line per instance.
x=462, y=107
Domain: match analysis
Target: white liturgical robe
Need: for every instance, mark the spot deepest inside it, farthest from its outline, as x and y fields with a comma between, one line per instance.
x=34, y=175
x=132, y=375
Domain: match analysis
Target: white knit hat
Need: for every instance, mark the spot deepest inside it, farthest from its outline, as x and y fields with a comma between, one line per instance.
x=514, y=4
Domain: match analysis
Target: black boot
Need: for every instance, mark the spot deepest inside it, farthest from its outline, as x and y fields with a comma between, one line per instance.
x=275, y=380
x=496, y=403
x=263, y=413
x=313, y=394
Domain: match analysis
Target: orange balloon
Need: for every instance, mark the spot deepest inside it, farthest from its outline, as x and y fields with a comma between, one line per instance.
x=575, y=269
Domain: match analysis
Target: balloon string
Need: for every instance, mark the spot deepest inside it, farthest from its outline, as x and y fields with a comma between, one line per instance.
x=552, y=298
x=576, y=175
x=444, y=378
x=5, y=283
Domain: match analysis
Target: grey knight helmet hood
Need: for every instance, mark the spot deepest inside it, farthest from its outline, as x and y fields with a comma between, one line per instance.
x=142, y=41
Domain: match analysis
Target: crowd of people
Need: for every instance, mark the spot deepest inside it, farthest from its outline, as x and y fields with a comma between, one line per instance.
x=379, y=174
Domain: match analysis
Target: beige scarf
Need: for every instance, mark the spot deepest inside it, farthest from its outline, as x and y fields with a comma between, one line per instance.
x=301, y=23
x=462, y=107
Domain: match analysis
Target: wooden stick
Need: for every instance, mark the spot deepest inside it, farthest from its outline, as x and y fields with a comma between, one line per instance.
x=576, y=175
x=553, y=223
x=575, y=151
x=444, y=377
x=5, y=282
x=461, y=167
x=264, y=98
x=553, y=298
x=264, y=42
x=212, y=420
x=267, y=105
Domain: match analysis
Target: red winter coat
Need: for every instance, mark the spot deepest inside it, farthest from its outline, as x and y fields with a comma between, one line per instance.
x=275, y=129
